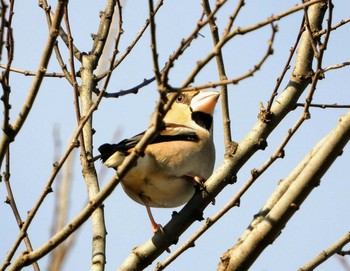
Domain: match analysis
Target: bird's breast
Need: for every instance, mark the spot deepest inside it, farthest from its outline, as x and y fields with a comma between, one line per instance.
x=161, y=191
x=165, y=173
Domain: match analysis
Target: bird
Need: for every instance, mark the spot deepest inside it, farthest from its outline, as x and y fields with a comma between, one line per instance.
x=179, y=158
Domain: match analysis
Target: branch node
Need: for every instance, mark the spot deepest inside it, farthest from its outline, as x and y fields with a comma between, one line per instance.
x=264, y=115
x=232, y=179
x=281, y=154
x=294, y=206
x=262, y=144
x=255, y=173
x=231, y=149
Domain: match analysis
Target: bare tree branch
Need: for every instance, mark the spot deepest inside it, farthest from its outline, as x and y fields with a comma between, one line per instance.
x=10, y=199
x=10, y=133
x=89, y=65
x=144, y=254
x=324, y=106
x=62, y=206
x=241, y=31
x=49, y=15
x=222, y=75
x=244, y=248
x=327, y=253
x=59, y=237
x=32, y=73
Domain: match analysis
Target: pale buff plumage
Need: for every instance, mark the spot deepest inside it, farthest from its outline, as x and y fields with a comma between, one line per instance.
x=182, y=155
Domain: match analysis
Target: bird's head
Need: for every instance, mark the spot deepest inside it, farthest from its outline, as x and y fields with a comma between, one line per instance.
x=192, y=106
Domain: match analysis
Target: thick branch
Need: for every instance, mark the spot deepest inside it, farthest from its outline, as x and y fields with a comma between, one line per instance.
x=302, y=180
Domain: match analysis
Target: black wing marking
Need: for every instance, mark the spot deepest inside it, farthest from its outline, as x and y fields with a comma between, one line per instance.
x=171, y=133
x=107, y=150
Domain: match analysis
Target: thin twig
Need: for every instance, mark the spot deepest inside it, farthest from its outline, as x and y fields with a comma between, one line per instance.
x=241, y=31
x=62, y=206
x=233, y=17
x=327, y=253
x=73, y=79
x=285, y=69
x=154, y=50
x=186, y=42
x=123, y=92
x=324, y=106
x=236, y=80
x=337, y=66
x=63, y=65
x=58, y=52
x=313, y=41
x=26, y=258
x=49, y=15
x=32, y=73
x=115, y=50
x=10, y=134
x=48, y=186
x=132, y=45
x=10, y=199
x=222, y=75
x=335, y=27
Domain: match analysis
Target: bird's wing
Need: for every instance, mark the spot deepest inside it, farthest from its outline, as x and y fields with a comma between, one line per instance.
x=172, y=132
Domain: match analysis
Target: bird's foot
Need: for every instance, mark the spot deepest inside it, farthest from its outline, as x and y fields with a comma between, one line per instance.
x=157, y=228
x=201, y=183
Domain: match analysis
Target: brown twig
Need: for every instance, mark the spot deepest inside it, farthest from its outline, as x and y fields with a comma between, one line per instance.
x=5, y=76
x=313, y=41
x=62, y=205
x=49, y=15
x=32, y=73
x=324, y=106
x=335, y=27
x=337, y=66
x=241, y=31
x=236, y=80
x=57, y=51
x=185, y=44
x=222, y=75
x=48, y=188
x=133, y=43
x=327, y=253
x=10, y=133
x=115, y=50
x=26, y=258
x=10, y=199
x=344, y=252
x=3, y=22
x=233, y=17
x=73, y=79
x=285, y=69
x=123, y=92
x=154, y=51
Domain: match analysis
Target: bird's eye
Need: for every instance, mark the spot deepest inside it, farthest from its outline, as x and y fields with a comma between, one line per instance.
x=180, y=98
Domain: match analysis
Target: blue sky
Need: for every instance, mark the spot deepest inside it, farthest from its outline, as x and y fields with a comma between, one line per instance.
x=322, y=218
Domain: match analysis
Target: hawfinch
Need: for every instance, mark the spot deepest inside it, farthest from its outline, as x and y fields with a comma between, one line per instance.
x=182, y=155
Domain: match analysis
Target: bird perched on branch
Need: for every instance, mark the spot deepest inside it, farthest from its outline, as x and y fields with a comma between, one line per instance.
x=181, y=156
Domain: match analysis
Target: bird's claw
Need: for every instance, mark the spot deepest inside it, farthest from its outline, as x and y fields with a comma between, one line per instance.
x=201, y=183
x=157, y=228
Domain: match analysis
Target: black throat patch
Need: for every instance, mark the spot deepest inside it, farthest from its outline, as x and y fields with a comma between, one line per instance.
x=202, y=119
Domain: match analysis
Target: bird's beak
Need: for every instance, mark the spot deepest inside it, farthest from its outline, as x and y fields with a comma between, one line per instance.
x=205, y=101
